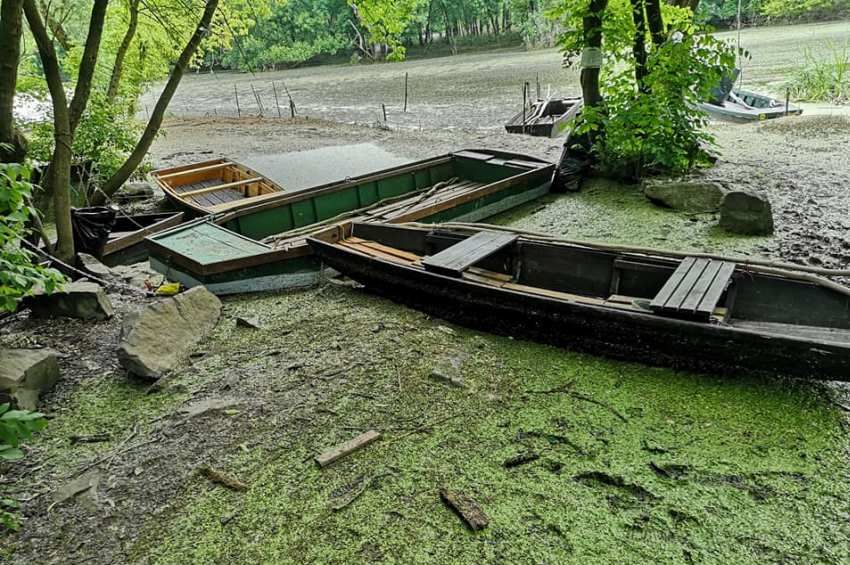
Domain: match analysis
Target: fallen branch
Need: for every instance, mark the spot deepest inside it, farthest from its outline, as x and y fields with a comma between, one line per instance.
x=223, y=479
x=343, y=449
x=466, y=508
x=587, y=398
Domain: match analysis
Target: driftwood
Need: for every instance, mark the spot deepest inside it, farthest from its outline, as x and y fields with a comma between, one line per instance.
x=347, y=448
x=466, y=508
x=223, y=479
x=520, y=459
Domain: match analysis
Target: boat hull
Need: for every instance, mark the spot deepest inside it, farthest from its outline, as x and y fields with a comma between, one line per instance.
x=619, y=334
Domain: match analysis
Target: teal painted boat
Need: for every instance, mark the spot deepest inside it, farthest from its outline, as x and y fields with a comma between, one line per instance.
x=263, y=247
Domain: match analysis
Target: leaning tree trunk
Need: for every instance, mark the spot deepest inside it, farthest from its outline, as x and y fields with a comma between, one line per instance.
x=592, y=32
x=141, y=149
x=59, y=172
x=655, y=22
x=11, y=22
x=118, y=68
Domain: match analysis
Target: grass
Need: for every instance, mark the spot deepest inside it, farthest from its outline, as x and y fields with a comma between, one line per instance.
x=824, y=78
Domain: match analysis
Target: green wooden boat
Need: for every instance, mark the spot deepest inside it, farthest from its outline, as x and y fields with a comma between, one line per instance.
x=263, y=247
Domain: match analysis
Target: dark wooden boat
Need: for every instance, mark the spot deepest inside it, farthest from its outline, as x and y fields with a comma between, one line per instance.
x=691, y=312
x=126, y=243
x=552, y=117
x=219, y=185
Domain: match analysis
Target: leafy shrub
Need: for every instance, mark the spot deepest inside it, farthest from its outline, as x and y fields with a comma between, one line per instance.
x=16, y=426
x=824, y=79
x=105, y=137
x=19, y=276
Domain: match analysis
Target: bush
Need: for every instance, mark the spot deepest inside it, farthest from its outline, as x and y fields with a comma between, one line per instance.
x=15, y=426
x=824, y=79
x=19, y=276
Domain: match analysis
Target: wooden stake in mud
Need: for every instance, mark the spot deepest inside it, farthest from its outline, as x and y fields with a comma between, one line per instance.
x=405, y=93
x=276, y=103
x=538, y=86
x=787, y=100
x=291, y=102
x=384, y=109
x=524, y=103
x=238, y=109
x=259, y=101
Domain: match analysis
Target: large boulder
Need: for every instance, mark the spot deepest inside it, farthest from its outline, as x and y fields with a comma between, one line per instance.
x=136, y=190
x=161, y=335
x=92, y=265
x=746, y=213
x=25, y=373
x=81, y=299
x=688, y=196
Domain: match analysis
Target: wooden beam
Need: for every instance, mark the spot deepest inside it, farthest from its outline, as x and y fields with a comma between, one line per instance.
x=346, y=448
x=219, y=187
x=195, y=170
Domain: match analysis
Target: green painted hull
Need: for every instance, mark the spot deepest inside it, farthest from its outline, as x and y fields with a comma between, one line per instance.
x=227, y=258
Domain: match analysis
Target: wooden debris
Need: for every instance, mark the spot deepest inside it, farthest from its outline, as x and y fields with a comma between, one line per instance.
x=347, y=448
x=466, y=508
x=223, y=479
x=520, y=459
x=95, y=438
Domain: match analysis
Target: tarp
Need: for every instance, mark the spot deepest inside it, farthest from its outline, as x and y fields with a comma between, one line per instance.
x=91, y=227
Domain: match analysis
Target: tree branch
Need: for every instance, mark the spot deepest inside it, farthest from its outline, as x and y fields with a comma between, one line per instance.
x=118, y=69
x=88, y=63
x=141, y=149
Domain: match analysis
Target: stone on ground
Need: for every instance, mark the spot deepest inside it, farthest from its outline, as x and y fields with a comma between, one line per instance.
x=746, y=213
x=93, y=266
x=136, y=274
x=25, y=373
x=80, y=299
x=136, y=190
x=160, y=336
x=687, y=196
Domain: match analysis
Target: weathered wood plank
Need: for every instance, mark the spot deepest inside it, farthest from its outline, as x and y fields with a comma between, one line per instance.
x=454, y=260
x=350, y=446
x=466, y=508
x=718, y=286
x=701, y=287
x=686, y=285
x=672, y=283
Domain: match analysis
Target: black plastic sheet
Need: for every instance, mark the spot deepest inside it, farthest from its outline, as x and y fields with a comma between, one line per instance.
x=91, y=227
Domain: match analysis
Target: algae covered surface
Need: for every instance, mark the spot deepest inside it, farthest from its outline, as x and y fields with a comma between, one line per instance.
x=633, y=461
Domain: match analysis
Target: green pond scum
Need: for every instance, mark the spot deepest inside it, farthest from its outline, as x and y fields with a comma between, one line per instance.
x=638, y=463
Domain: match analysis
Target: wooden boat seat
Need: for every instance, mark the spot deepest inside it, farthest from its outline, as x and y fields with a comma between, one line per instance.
x=694, y=289
x=454, y=260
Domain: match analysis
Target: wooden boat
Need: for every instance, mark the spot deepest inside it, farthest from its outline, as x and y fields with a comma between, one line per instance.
x=126, y=243
x=214, y=186
x=264, y=247
x=552, y=117
x=745, y=106
x=698, y=313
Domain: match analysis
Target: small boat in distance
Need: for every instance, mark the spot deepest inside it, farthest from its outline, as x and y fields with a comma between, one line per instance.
x=552, y=117
x=214, y=186
x=745, y=106
x=700, y=313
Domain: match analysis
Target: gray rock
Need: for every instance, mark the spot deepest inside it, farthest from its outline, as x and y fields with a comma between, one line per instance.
x=252, y=323
x=746, y=213
x=136, y=274
x=93, y=266
x=154, y=340
x=25, y=373
x=687, y=196
x=135, y=190
x=81, y=299
x=83, y=488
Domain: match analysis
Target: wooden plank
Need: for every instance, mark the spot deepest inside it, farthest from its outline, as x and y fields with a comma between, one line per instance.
x=466, y=508
x=459, y=257
x=194, y=170
x=686, y=285
x=221, y=186
x=343, y=449
x=718, y=286
x=672, y=283
x=701, y=287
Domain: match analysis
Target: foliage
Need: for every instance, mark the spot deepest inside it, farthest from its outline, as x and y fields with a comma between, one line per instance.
x=16, y=426
x=385, y=22
x=105, y=137
x=799, y=8
x=824, y=79
x=19, y=276
x=657, y=127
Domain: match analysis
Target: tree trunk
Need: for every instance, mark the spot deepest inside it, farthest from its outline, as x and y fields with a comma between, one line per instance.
x=655, y=22
x=10, y=53
x=59, y=172
x=141, y=149
x=592, y=32
x=56, y=28
x=118, y=69
x=82, y=90
x=639, y=47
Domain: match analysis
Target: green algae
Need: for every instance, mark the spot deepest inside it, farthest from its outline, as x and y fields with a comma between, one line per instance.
x=704, y=468
x=618, y=213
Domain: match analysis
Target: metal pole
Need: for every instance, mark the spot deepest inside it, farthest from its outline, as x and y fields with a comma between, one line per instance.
x=787, y=100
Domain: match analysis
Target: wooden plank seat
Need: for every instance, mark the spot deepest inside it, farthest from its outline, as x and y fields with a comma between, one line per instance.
x=454, y=260
x=694, y=289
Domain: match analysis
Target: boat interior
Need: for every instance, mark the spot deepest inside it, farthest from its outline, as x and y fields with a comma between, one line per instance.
x=690, y=288
x=215, y=185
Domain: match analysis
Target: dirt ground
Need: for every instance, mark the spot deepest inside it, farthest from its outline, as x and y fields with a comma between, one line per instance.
x=659, y=465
